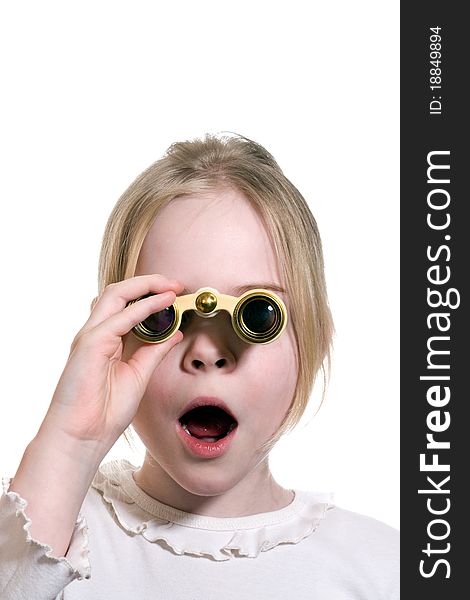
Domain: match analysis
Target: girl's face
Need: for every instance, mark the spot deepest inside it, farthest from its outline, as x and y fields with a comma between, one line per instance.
x=215, y=240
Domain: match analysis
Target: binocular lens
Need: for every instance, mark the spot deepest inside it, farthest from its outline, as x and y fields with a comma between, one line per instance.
x=259, y=315
x=258, y=320
x=160, y=322
x=158, y=326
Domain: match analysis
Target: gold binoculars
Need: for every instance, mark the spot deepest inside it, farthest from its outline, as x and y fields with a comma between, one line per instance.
x=258, y=316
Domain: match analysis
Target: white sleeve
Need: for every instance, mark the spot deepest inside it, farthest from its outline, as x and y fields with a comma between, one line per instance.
x=27, y=567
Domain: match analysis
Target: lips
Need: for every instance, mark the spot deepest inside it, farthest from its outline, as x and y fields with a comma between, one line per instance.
x=207, y=401
x=207, y=427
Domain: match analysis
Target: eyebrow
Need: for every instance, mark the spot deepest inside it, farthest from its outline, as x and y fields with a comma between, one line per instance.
x=238, y=290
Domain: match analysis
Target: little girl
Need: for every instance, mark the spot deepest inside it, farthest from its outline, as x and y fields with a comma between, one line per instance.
x=211, y=325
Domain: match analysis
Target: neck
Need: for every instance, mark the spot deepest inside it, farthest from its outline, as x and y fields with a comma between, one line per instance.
x=257, y=492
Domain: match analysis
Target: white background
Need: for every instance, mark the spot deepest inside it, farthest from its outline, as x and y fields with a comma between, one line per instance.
x=93, y=92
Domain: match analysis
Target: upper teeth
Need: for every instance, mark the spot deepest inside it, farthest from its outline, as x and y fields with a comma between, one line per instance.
x=185, y=427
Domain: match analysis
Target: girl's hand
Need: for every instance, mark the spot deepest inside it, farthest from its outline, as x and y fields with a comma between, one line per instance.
x=100, y=388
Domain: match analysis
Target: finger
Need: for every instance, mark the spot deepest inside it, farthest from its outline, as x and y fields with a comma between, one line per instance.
x=116, y=296
x=108, y=335
x=147, y=357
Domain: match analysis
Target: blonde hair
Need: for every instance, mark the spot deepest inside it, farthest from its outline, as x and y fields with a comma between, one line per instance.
x=202, y=165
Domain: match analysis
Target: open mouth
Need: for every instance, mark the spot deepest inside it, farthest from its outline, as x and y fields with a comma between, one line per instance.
x=207, y=423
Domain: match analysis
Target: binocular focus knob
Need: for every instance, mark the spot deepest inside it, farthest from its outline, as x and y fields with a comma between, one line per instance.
x=206, y=302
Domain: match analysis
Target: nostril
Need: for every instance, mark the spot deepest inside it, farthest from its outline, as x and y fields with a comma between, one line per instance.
x=197, y=364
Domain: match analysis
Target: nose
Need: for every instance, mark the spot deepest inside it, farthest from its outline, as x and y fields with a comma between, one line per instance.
x=210, y=345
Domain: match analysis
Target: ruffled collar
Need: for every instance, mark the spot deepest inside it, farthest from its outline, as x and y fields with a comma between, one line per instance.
x=211, y=537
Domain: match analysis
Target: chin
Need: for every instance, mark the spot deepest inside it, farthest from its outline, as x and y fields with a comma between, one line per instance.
x=208, y=482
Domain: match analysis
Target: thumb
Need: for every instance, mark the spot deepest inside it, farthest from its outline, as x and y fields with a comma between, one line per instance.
x=146, y=357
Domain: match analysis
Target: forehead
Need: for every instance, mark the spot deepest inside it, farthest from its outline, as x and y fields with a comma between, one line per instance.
x=216, y=239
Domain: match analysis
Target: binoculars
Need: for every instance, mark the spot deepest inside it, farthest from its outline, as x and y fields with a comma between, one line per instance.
x=258, y=316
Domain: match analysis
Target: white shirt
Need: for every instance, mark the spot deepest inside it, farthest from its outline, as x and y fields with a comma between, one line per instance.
x=127, y=545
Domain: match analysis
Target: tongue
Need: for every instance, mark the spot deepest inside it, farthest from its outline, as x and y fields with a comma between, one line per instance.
x=207, y=423
x=200, y=431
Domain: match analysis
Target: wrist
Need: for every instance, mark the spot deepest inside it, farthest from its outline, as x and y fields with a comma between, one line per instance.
x=54, y=477
x=63, y=446
x=53, y=457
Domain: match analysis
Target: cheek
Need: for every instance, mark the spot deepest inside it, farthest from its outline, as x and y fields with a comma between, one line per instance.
x=160, y=397
x=284, y=356
x=275, y=374
x=288, y=370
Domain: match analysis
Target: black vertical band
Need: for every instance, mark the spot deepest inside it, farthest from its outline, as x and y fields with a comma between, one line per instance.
x=435, y=257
